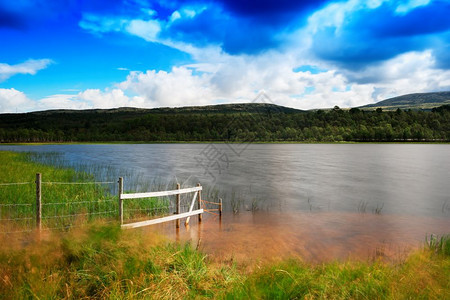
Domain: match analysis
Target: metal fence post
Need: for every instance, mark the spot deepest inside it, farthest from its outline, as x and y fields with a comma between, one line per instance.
x=178, y=207
x=220, y=207
x=120, y=200
x=38, y=201
x=199, y=199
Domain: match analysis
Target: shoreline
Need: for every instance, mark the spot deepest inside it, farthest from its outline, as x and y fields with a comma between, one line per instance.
x=227, y=142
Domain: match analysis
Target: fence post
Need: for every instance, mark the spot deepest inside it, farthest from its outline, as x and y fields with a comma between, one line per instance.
x=199, y=198
x=178, y=207
x=120, y=200
x=38, y=201
x=220, y=207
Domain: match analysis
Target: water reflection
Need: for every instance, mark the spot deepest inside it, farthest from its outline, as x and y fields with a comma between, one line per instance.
x=312, y=237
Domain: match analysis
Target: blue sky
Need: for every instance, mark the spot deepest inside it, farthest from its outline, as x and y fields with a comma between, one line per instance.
x=303, y=54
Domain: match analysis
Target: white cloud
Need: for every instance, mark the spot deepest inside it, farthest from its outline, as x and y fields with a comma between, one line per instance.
x=60, y=101
x=148, y=30
x=31, y=66
x=97, y=24
x=176, y=88
x=95, y=98
x=12, y=100
x=412, y=72
x=240, y=78
x=407, y=6
x=335, y=14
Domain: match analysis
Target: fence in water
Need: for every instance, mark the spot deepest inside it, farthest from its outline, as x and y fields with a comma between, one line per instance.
x=36, y=205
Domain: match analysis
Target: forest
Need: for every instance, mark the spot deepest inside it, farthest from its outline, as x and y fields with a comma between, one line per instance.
x=238, y=123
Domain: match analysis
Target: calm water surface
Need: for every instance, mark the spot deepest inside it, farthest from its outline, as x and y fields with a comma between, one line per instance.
x=312, y=200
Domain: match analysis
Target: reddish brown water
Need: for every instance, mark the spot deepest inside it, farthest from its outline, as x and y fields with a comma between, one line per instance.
x=312, y=237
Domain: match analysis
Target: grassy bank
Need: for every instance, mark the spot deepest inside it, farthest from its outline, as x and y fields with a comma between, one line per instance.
x=103, y=261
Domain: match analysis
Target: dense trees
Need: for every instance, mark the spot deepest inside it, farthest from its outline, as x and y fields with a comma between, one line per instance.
x=269, y=125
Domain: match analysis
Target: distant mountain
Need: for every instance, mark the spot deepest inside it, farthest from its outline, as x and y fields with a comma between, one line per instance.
x=422, y=101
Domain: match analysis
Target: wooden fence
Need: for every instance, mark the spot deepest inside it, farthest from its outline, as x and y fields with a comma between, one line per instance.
x=177, y=216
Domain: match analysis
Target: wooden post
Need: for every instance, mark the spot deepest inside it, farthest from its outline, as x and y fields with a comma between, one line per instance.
x=178, y=207
x=38, y=201
x=199, y=198
x=120, y=200
x=220, y=207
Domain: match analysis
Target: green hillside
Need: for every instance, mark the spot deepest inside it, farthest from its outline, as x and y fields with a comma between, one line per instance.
x=219, y=108
x=423, y=101
x=230, y=122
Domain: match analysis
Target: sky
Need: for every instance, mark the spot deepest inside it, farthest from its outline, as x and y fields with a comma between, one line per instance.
x=81, y=54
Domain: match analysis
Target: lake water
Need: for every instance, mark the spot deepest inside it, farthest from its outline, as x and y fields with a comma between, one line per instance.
x=305, y=198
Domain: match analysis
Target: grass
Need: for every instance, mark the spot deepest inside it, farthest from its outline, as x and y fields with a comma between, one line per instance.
x=102, y=261
x=423, y=275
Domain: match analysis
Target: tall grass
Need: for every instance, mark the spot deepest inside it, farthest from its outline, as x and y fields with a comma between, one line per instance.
x=423, y=275
x=102, y=261
x=440, y=245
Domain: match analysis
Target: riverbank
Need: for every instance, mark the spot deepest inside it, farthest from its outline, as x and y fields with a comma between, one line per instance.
x=224, y=142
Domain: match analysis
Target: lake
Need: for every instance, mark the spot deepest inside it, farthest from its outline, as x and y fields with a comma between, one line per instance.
x=301, y=199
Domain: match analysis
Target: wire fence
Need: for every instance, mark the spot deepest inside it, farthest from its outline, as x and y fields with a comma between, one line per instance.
x=63, y=205
x=60, y=208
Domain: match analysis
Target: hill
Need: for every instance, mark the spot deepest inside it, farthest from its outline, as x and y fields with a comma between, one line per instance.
x=229, y=122
x=422, y=101
x=219, y=108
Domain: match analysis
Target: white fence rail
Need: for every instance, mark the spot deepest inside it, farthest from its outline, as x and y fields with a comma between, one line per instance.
x=177, y=216
x=160, y=194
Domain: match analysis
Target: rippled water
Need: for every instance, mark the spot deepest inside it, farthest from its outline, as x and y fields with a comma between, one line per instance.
x=309, y=196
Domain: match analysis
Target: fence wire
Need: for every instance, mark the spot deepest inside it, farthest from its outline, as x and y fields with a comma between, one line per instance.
x=75, y=183
x=84, y=206
x=18, y=217
x=15, y=183
x=21, y=216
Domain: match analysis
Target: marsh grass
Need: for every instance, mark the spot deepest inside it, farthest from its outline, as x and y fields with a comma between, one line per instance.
x=103, y=261
x=439, y=245
x=423, y=275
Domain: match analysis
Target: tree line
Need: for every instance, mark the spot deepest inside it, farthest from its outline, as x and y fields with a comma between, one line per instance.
x=271, y=125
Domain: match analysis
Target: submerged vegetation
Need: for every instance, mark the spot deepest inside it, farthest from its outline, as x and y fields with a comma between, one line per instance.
x=233, y=123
